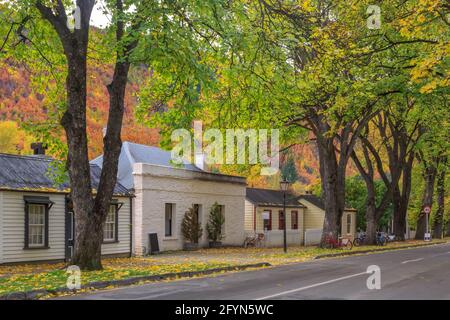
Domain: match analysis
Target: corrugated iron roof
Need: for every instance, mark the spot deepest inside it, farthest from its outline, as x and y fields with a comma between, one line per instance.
x=132, y=153
x=34, y=173
x=267, y=197
x=315, y=200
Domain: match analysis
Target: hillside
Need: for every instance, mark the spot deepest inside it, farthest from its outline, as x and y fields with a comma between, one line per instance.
x=19, y=104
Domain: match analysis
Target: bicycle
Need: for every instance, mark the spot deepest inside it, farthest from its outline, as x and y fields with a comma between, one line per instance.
x=381, y=239
x=343, y=243
x=392, y=238
x=360, y=239
x=255, y=240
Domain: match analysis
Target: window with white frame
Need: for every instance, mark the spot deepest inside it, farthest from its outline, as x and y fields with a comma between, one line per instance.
x=36, y=225
x=110, y=230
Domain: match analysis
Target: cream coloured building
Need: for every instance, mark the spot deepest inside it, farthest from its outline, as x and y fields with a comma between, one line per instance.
x=304, y=217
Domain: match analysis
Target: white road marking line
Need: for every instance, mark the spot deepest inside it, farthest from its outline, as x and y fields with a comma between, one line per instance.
x=408, y=261
x=311, y=286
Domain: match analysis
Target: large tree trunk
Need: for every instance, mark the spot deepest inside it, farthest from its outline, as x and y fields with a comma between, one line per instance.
x=333, y=188
x=399, y=215
x=447, y=233
x=398, y=142
x=439, y=217
x=427, y=199
x=371, y=209
x=87, y=243
x=90, y=214
x=373, y=212
x=371, y=224
x=401, y=200
x=332, y=168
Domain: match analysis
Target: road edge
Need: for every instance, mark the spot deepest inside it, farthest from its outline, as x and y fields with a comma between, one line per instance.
x=351, y=253
x=38, y=293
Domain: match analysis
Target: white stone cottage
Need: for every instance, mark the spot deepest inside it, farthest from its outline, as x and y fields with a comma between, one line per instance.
x=305, y=215
x=164, y=192
x=36, y=221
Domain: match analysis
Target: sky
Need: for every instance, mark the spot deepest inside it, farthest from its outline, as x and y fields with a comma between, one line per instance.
x=98, y=18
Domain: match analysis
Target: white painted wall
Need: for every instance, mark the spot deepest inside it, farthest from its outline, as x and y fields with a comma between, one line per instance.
x=157, y=185
x=313, y=236
x=1, y=227
x=275, y=238
x=123, y=246
x=12, y=229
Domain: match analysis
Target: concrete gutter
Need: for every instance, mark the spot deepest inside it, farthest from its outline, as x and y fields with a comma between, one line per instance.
x=36, y=294
x=381, y=249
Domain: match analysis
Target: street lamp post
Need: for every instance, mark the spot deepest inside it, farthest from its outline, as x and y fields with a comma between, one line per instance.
x=284, y=185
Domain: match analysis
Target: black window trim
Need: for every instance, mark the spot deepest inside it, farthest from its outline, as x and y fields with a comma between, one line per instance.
x=172, y=207
x=29, y=200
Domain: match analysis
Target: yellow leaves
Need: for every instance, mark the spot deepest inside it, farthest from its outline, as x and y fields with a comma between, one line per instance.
x=306, y=5
x=430, y=86
x=421, y=18
x=52, y=276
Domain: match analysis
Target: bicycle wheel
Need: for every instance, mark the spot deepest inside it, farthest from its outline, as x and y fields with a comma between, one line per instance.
x=348, y=245
x=357, y=242
x=328, y=245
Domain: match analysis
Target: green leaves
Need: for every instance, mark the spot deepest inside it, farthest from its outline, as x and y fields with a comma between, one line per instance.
x=190, y=226
x=215, y=223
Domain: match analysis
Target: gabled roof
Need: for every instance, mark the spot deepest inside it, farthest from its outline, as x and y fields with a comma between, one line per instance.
x=33, y=173
x=315, y=200
x=132, y=153
x=273, y=198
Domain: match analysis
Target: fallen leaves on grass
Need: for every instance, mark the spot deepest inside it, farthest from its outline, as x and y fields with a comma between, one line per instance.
x=112, y=271
x=52, y=276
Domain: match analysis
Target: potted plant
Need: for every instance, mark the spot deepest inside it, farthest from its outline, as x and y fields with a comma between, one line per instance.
x=191, y=229
x=215, y=225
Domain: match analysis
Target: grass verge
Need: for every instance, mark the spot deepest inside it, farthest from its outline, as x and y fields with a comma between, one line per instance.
x=49, y=277
x=56, y=279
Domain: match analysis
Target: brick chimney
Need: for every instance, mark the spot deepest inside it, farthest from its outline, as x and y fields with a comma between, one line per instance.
x=200, y=161
x=38, y=148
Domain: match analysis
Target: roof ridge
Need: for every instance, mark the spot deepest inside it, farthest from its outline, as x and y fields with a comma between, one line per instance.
x=126, y=149
x=28, y=157
x=263, y=189
x=140, y=144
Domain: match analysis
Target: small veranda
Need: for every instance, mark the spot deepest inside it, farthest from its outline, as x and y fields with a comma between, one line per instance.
x=304, y=218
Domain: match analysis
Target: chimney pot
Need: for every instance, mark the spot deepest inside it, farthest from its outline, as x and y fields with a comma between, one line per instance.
x=38, y=148
x=200, y=161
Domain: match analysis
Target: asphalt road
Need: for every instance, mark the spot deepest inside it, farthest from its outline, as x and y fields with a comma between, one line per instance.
x=420, y=273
